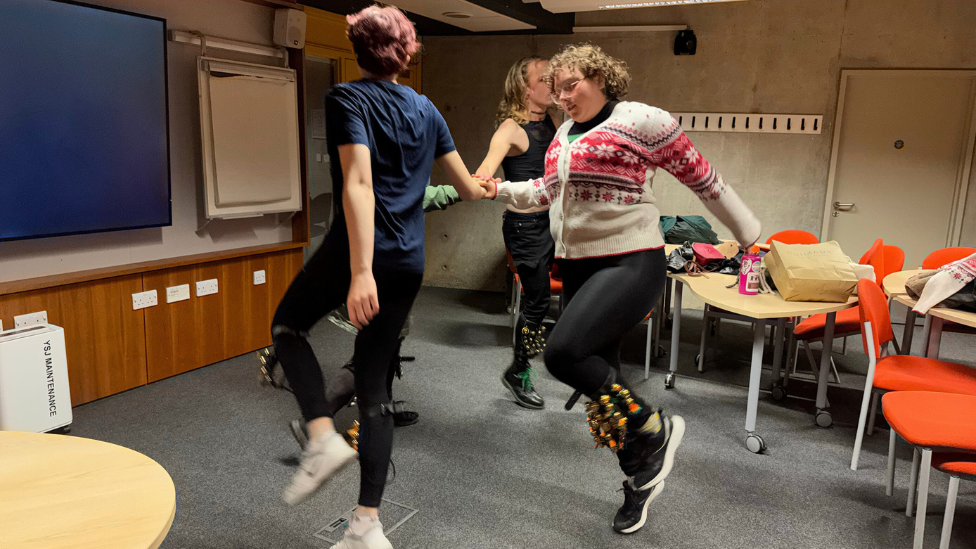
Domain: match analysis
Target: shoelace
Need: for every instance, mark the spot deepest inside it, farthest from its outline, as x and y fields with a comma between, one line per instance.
x=526, y=377
x=630, y=496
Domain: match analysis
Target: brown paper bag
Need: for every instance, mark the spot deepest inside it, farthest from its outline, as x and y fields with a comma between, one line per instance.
x=811, y=272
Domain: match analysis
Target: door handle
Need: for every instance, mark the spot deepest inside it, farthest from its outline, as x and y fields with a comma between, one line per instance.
x=842, y=207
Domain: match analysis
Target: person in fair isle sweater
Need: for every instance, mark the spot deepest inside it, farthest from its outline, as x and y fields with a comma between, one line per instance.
x=610, y=250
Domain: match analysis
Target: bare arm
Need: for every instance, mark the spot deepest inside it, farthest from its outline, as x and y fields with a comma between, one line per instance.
x=359, y=206
x=501, y=144
x=468, y=188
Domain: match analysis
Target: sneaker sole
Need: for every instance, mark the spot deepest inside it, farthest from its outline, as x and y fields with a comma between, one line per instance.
x=677, y=433
x=640, y=524
x=517, y=401
x=295, y=500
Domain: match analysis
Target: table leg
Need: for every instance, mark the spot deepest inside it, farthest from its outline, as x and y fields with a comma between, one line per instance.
x=754, y=442
x=933, y=339
x=823, y=416
x=778, y=350
x=668, y=284
x=906, y=337
x=675, y=336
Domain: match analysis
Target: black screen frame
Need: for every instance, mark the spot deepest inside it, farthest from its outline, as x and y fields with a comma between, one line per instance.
x=169, y=161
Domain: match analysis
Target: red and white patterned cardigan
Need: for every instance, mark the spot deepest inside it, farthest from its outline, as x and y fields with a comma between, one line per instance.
x=599, y=187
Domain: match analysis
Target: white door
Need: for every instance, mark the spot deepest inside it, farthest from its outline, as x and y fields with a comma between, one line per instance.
x=903, y=144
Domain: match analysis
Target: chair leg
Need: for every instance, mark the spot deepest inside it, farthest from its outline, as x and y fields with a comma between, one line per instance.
x=833, y=370
x=890, y=485
x=923, y=497
x=874, y=413
x=950, y=510
x=912, y=483
x=859, y=435
x=843, y=349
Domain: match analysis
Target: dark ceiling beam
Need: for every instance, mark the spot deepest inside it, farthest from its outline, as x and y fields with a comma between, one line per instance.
x=533, y=14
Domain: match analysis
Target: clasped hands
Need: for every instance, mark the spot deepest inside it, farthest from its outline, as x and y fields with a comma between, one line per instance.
x=489, y=184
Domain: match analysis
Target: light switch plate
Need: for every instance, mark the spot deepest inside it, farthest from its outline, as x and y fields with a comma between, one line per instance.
x=142, y=300
x=259, y=278
x=206, y=287
x=177, y=293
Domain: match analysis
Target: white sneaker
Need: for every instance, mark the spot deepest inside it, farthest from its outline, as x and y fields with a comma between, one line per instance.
x=322, y=458
x=370, y=536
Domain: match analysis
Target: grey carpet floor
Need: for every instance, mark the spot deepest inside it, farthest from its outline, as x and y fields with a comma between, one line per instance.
x=485, y=473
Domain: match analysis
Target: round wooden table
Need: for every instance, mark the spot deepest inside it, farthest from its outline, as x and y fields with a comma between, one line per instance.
x=63, y=491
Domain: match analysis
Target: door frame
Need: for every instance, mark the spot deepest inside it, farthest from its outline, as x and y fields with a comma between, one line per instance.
x=963, y=172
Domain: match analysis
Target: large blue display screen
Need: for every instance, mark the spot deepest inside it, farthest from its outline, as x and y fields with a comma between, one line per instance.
x=84, y=141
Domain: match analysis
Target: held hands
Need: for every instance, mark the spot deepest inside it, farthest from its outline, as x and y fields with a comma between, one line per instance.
x=489, y=184
x=362, y=301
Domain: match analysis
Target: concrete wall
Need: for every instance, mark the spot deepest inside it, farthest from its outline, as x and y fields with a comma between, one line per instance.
x=232, y=19
x=775, y=56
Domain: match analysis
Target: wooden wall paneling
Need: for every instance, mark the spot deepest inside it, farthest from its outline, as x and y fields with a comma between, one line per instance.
x=325, y=28
x=106, y=339
x=12, y=305
x=186, y=335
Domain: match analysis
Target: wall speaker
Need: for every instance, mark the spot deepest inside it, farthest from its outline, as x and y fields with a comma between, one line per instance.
x=685, y=43
x=289, y=28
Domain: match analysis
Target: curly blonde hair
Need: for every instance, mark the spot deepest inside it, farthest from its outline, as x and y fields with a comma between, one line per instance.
x=513, y=104
x=591, y=61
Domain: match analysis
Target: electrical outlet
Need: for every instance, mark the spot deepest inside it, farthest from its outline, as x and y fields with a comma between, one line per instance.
x=206, y=287
x=177, y=293
x=142, y=300
x=259, y=277
x=31, y=319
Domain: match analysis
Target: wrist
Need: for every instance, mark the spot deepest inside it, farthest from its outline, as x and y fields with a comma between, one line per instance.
x=494, y=190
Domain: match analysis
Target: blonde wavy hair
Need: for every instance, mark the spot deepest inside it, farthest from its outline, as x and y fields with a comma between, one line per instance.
x=591, y=61
x=513, y=101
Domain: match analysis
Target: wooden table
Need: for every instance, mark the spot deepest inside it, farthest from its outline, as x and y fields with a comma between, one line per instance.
x=760, y=308
x=934, y=320
x=894, y=284
x=62, y=491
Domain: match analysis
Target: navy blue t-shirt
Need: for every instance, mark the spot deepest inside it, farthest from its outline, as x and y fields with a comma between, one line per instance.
x=404, y=133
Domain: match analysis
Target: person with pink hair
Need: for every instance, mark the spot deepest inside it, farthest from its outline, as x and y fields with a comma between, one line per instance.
x=386, y=138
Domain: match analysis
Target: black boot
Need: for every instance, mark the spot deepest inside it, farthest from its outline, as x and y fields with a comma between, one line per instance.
x=518, y=377
x=644, y=441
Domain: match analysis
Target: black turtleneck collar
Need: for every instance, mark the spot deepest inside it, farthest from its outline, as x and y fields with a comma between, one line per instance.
x=579, y=128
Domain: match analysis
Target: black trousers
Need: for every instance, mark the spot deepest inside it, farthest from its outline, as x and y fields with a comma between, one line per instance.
x=321, y=286
x=604, y=298
x=528, y=239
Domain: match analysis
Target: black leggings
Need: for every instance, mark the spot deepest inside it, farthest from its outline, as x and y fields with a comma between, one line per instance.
x=605, y=297
x=321, y=286
x=528, y=239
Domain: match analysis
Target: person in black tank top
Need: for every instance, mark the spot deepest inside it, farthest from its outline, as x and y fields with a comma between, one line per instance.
x=519, y=146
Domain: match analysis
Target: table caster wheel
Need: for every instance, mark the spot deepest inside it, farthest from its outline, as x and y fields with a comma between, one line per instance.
x=778, y=392
x=755, y=443
x=668, y=323
x=698, y=362
x=661, y=352
x=824, y=419
x=669, y=381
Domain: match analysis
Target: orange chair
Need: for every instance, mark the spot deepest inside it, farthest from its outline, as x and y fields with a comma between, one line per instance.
x=932, y=422
x=847, y=322
x=894, y=260
x=793, y=236
x=887, y=372
x=944, y=256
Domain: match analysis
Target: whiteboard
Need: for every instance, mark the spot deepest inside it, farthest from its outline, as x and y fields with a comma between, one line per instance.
x=249, y=129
